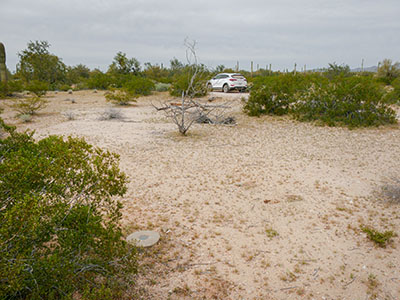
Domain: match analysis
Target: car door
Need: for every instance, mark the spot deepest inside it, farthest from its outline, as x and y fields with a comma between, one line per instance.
x=217, y=82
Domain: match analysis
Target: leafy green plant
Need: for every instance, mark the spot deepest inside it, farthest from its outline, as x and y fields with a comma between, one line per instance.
x=379, y=238
x=39, y=88
x=388, y=71
x=393, y=96
x=37, y=63
x=120, y=96
x=60, y=236
x=139, y=86
x=162, y=87
x=185, y=82
x=100, y=80
x=29, y=105
x=275, y=94
x=353, y=101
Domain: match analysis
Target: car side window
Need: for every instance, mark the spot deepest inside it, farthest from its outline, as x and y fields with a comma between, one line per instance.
x=224, y=76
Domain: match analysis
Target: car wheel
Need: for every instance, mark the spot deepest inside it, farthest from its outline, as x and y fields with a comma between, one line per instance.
x=225, y=88
x=209, y=87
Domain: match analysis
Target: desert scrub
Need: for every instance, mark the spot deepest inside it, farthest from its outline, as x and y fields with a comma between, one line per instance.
x=60, y=236
x=39, y=88
x=379, y=238
x=350, y=101
x=162, y=87
x=274, y=95
x=184, y=82
x=29, y=106
x=120, y=96
x=139, y=86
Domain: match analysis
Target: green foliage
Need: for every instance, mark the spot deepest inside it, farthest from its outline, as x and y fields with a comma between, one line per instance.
x=77, y=74
x=39, y=88
x=139, y=86
x=120, y=96
x=29, y=106
x=335, y=70
x=379, y=238
x=37, y=63
x=157, y=73
x=162, y=87
x=4, y=91
x=354, y=101
x=275, y=94
x=182, y=82
x=122, y=65
x=99, y=80
x=388, y=71
x=59, y=231
x=393, y=96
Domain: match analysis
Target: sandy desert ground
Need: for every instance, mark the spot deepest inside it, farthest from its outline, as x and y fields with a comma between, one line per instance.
x=268, y=209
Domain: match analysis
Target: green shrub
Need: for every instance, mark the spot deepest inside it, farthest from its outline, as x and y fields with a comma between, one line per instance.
x=120, y=96
x=162, y=87
x=353, y=101
x=39, y=88
x=100, y=81
x=181, y=82
x=393, y=96
x=59, y=223
x=139, y=86
x=29, y=106
x=379, y=238
x=275, y=94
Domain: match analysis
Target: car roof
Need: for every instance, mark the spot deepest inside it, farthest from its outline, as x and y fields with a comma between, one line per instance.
x=230, y=74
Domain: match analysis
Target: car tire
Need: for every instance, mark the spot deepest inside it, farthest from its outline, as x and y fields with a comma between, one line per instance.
x=225, y=88
x=209, y=87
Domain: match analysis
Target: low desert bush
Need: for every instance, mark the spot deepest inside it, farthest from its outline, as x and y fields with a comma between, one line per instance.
x=393, y=96
x=120, y=96
x=353, y=101
x=39, y=88
x=111, y=114
x=182, y=81
x=275, y=94
x=162, y=87
x=29, y=105
x=60, y=236
x=100, y=81
x=379, y=238
x=139, y=86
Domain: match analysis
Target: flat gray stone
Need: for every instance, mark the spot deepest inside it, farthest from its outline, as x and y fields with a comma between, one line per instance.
x=143, y=238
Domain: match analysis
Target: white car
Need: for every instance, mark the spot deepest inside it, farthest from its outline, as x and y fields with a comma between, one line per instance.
x=228, y=81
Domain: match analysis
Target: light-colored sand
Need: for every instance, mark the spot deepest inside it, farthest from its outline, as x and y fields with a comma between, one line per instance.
x=268, y=209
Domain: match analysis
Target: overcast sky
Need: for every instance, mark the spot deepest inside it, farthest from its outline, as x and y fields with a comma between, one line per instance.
x=280, y=32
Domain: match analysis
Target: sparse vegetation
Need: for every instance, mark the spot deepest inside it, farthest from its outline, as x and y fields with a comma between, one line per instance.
x=29, y=105
x=379, y=238
x=120, y=96
x=111, y=114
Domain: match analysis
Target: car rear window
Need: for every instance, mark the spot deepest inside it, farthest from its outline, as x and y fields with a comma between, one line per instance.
x=238, y=76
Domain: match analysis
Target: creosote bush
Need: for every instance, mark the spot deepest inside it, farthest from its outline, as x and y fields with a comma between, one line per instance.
x=30, y=105
x=343, y=100
x=353, y=101
x=39, y=88
x=120, y=96
x=60, y=236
